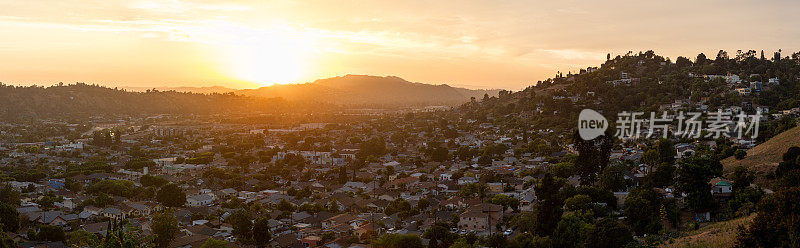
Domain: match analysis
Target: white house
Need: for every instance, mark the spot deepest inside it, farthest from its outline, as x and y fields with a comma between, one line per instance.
x=199, y=200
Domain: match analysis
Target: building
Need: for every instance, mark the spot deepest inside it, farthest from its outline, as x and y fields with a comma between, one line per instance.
x=480, y=218
x=199, y=200
x=721, y=187
x=495, y=187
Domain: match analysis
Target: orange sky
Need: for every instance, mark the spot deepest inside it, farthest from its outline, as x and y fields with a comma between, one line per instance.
x=475, y=44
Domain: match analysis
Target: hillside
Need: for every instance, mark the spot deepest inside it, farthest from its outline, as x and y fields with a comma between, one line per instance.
x=720, y=234
x=200, y=90
x=81, y=100
x=370, y=91
x=765, y=157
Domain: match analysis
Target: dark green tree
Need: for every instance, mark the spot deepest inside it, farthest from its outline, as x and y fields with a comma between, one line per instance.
x=642, y=208
x=549, y=209
x=439, y=235
x=171, y=195
x=165, y=228
x=609, y=233
x=261, y=234
x=693, y=179
x=9, y=218
x=593, y=157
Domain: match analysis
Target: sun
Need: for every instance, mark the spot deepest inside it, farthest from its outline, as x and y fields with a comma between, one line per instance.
x=269, y=58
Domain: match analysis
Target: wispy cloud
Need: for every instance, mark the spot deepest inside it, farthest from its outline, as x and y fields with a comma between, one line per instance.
x=178, y=6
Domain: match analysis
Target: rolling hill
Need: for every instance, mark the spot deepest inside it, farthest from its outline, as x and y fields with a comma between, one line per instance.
x=765, y=157
x=200, y=90
x=719, y=234
x=373, y=91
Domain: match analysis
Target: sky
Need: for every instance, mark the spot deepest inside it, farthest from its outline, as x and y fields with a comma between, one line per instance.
x=475, y=44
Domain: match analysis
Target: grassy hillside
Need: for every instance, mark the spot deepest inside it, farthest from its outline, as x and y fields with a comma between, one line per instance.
x=719, y=234
x=765, y=157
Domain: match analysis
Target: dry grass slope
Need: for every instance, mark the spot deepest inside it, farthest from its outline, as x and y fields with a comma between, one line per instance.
x=765, y=157
x=720, y=234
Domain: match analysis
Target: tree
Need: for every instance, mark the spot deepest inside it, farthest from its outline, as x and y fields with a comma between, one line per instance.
x=693, y=179
x=372, y=147
x=51, y=233
x=165, y=228
x=776, y=224
x=742, y=178
x=148, y=180
x=399, y=206
x=8, y=195
x=215, y=243
x=242, y=226
x=612, y=178
x=505, y=201
x=261, y=234
x=666, y=151
x=548, y=211
x=610, y=233
x=398, y=241
x=80, y=238
x=119, y=237
x=739, y=154
x=528, y=240
x=593, y=156
x=789, y=162
x=171, y=195
x=581, y=203
x=285, y=206
x=662, y=176
x=439, y=235
x=9, y=218
x=642, y=210
x=701, y=59
x=563, y=169
x=572, y=230
x=496, y=240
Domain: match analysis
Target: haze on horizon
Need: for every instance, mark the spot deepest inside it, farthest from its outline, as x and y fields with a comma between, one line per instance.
x=247, y=44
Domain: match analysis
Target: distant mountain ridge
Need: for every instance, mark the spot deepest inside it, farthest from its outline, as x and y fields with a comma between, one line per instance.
x=201, y=90
x=369, y=90
x=348, y=90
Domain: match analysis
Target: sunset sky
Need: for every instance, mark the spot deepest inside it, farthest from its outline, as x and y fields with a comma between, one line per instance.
x=474, y=44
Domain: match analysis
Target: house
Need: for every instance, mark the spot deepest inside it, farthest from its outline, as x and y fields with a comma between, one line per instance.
x=467, y=180
x=311, y=241
x=743, y=91
x=113, y=213
x=721, y=187
x=527, y=199
x=136, y=209
x=56, y=218
x=286, y=240
x=480, y=217
x=337, y=220
x=495, y=187
x=683, y=150
x=199, y=200
x=96, y=228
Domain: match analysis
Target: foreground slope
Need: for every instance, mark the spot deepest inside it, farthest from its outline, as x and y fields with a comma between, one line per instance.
x=765, y=157
x=719, y=234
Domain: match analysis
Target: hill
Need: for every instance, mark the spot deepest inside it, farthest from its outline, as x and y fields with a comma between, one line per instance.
x=364, y=90
x=719, y=234
x=201, y=90
x=764, y=158
x=82, y=100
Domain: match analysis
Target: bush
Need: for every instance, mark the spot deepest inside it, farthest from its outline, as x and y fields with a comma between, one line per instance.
x=739, y=154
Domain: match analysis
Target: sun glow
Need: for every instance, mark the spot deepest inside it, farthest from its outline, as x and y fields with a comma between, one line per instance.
x=269, y=57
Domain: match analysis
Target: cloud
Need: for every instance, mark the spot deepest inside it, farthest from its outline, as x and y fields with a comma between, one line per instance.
x=177, y=6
